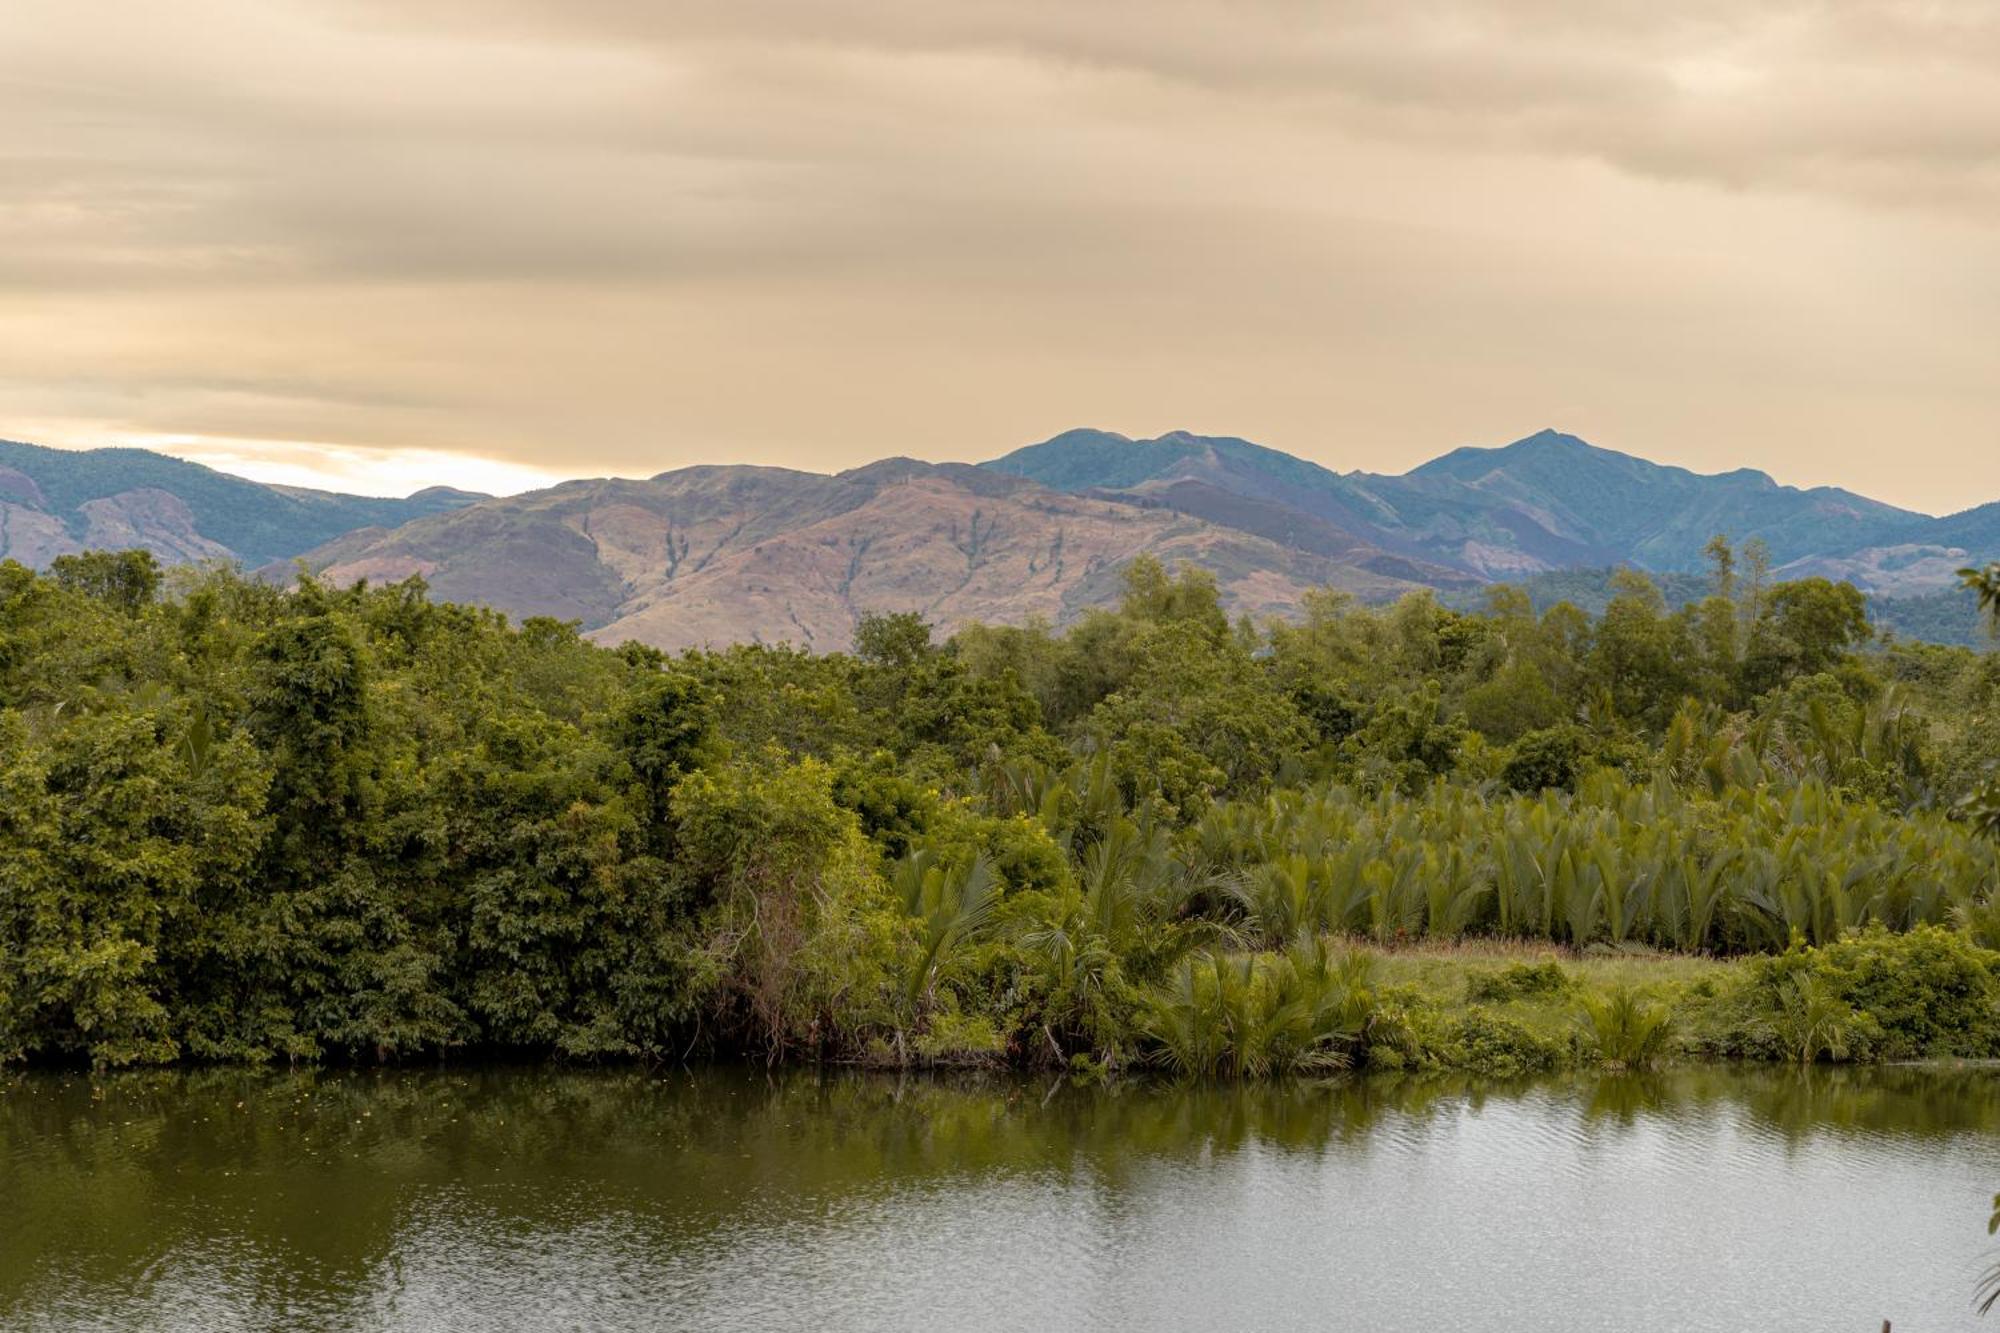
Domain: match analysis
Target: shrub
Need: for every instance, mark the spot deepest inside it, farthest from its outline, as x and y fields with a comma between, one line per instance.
x=1929, y=992
x=1502, y=1048
x=1625, y=1030
x=1517, y=980
x=1479, y=1041
x=1303, y=1011
x=953, y=1038
x=1811, y=1020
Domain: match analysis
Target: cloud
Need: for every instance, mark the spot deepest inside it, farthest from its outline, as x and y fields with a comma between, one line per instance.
x=1819, y=95
x=623, y=234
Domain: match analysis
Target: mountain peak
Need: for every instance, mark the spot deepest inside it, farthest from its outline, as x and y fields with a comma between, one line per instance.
x=1083, y=458
x=1083, y=435
x=1755, y=477
x=1550, y=441
x=1468, y=460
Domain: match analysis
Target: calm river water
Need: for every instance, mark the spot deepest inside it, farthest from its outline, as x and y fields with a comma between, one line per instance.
x=728, y=1199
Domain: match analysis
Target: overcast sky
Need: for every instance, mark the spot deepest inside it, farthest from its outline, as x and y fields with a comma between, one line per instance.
x=376, y=245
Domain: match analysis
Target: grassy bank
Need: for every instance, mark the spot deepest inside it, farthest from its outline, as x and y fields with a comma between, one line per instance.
x=1503, y=1009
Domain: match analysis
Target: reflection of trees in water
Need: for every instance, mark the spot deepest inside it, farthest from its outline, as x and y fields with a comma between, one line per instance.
x=1896, y=1101
x=327, y=1166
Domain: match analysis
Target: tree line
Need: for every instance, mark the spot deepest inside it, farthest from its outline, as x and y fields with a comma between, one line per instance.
x=246, y=823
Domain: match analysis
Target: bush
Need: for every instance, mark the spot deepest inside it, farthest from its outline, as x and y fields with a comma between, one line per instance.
x=1479, y=1041
x=960, y=1039
x=1811, y=1021
x=1517, y=980
x=1302, y=1011
x=1625, y=1030
x=1929, y=993
x=1497, y=1047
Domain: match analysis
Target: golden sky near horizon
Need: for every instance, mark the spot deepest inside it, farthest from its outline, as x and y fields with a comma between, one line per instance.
x=376, y=244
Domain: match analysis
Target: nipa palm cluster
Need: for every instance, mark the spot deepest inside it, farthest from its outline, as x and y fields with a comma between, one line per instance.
x=1745, y=870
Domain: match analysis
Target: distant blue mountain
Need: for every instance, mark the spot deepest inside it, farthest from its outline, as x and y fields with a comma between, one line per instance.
x=56, y=501
x=1544, y=503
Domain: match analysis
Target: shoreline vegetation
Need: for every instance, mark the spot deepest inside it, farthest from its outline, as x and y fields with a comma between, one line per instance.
x=249, y=825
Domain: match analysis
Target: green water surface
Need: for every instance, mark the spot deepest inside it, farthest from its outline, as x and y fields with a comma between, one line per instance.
x=739, y=1199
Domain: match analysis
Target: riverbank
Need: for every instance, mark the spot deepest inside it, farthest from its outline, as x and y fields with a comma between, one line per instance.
x=1482, y=1009
x=1500, y=1009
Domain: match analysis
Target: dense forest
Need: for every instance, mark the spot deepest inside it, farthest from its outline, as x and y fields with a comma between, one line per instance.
x=245, y=823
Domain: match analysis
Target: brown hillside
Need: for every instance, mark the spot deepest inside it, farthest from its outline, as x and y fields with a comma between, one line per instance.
x=718, y=555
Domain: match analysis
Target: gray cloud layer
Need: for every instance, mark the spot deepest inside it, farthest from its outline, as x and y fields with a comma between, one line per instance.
x=605, y=235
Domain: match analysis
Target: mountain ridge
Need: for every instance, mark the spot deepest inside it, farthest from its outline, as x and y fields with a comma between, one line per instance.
x=59, y=501
x=716, y=554
x=1513, y=509
x=719, y=552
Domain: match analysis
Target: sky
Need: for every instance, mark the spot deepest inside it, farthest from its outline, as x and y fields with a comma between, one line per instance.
x=377, y=244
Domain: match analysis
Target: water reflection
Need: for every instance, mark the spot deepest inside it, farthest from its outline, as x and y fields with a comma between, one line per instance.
x=511, y=1198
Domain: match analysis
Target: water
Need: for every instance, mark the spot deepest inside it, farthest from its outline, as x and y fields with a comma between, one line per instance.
x=726, y=1199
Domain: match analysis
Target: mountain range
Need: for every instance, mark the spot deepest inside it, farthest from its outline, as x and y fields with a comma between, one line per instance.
x=60, y=501
x=724, y=553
